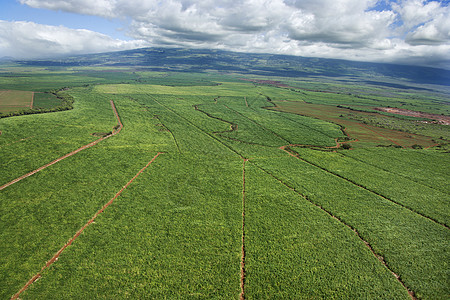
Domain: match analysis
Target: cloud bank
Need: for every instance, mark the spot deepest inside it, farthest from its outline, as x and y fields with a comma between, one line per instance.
x=31, y=40
x=402, y=31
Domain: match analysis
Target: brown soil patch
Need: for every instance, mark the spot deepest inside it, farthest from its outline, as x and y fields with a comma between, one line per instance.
x=365, y=133
x=440, y=119
x=55, y=257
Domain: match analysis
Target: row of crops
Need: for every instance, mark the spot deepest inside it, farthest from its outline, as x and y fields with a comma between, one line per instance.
x=176, y=231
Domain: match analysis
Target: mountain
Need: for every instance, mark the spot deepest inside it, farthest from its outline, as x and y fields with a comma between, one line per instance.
x=201, y=60
x=7, y=58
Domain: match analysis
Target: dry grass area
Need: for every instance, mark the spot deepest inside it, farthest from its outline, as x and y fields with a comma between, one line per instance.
x=364, y=133
x=11, y=100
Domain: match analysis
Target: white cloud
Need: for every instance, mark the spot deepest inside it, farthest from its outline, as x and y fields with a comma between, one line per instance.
x=415, y=12
x=31, y=40
x=426, y=23
x=348, y=29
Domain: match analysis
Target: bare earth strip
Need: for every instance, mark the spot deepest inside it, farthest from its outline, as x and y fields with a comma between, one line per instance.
x=32, y=99
x=242, y=295
x=55, y=257
x=71, y=153
x=441, y=119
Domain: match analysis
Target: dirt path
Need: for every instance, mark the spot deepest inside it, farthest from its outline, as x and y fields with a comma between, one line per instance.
x=431, y=146
x=32, y=99
x=337, y=146
x=115, y=131
x=69, y=242
x=379, y=257
x=242, y=295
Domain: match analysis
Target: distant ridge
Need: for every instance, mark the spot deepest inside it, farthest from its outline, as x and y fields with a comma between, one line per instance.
x=201, y=60
x=7, y=58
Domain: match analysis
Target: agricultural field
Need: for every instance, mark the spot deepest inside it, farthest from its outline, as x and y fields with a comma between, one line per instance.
x=161, y=184
x=45, y=100
x=15, y=100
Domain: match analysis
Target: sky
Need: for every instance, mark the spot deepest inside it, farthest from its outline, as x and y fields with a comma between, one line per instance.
x=413, y=32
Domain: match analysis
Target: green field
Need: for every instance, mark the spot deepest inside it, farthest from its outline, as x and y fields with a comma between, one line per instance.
x=242, y=166
x=45, y=100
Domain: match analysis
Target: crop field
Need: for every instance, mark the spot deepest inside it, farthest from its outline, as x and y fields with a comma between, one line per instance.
x=196, y=186
x=45, y=100
x=366, y=133
x=15, y=100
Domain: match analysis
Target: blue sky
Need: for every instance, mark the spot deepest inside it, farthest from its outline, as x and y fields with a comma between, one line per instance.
x=11, y=10
x=400, y=31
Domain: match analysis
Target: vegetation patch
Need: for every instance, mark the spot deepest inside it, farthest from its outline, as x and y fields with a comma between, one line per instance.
x=46, y=100
x=369, y=133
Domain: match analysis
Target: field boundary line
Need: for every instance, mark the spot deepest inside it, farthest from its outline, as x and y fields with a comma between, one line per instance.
x=115, y=131
x=297, y=156
x=257, y=124
x=284, y=114
x=242, y=295
x=171, y=133
x=379, y=257
x=32, y=100
x=70, y=241
x=196, y=126
x=431, y=146
x=233, y=127
x=391, y=172
x=157, y=117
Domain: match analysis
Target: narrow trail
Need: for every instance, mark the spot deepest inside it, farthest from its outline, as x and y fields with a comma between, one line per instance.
x=69, y=242
x=32, y=99
x=379, y=257
x=233, y=126
x=242, y=295
x=116, y=130
x=337, y=146
x=431, y=146
x=296, y=155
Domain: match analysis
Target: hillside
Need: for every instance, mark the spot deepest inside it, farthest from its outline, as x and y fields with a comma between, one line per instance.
x=190, y=60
